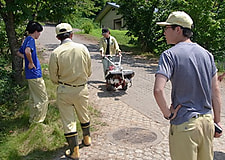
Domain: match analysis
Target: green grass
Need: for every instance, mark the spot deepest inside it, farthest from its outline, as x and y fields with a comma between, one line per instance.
x=120, y=36
x=20, y=140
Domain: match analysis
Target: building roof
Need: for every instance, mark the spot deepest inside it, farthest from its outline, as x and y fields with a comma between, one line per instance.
x=105, y=10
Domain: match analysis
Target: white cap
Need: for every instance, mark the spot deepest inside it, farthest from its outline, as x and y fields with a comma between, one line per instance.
x=63, y=28
x=178, y=18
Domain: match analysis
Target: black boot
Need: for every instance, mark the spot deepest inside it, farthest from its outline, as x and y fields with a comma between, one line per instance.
x=73, y=151
x=86, y=135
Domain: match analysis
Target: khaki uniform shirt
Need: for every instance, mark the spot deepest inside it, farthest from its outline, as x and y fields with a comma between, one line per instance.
x=70, y=63
x=113, y=45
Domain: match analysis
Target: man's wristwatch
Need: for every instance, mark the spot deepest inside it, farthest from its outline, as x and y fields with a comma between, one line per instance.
x=168, y=118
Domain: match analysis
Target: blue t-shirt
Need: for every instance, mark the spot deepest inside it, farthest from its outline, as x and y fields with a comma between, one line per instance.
x=31, y=73
x=190, y=69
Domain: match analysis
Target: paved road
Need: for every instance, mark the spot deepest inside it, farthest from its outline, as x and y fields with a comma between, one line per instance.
x=139, y=96
x=132, y=111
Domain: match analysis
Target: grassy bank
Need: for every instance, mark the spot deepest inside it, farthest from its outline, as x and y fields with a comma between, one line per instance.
x=20, y=140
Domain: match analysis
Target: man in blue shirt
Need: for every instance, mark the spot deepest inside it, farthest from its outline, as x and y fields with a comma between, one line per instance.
x=33, y=74
x=195, y=94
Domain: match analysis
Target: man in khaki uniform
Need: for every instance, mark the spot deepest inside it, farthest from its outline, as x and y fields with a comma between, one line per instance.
x=108, y=46
x=70, y=67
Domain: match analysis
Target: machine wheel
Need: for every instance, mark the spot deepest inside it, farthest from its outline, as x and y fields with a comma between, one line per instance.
x=110, y=87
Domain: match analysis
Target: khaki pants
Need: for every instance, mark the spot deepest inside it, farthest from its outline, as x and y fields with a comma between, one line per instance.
x=38, y=100
x=192, y=140
x=71, y=100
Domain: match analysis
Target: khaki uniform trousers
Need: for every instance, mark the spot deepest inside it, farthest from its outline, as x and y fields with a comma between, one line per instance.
x=192, y=140
x=71, y=100
x=38, y=100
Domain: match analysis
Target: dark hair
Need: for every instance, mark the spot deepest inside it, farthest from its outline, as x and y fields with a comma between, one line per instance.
x=34, y=26
x=186, y=31
x=63, y=36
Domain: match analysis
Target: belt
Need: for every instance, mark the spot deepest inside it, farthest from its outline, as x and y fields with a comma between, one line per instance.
x=201, y=115
x=72, y=85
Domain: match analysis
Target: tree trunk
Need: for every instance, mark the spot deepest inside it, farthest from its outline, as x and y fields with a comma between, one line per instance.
x=17, y=62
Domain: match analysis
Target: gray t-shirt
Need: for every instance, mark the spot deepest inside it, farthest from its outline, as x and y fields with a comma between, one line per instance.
x=190, y=69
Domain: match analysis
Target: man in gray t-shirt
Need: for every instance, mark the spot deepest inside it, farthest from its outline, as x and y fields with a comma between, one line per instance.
x=195, y=93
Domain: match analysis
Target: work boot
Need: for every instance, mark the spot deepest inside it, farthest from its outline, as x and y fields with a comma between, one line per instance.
x=86, y=135
x=73, y=151
x=75, y=155
x=87, y=141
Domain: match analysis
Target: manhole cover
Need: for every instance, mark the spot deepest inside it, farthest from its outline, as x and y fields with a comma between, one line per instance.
x=134, y=135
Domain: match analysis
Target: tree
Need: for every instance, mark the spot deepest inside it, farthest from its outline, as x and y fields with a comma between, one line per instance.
x=208, y=16
x=140, y=17
x=209, y=20
x=8, y=17
x=16, y=13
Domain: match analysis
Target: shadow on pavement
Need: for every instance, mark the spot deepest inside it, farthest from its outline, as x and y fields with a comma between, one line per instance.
x=148, y=65
x=92, y=47
x=219, y=155
x=102, y=91
x=96, y=82
x=51, y=47
x=96, y=56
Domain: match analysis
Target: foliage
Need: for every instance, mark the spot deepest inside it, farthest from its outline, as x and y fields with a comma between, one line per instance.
x=208, y=16
x=10, y=93
x=3, y=42
x=99, y=5
x=48, y=10
x=78, y=22
x=209, y=21
x=87, y=27
x=140, y=17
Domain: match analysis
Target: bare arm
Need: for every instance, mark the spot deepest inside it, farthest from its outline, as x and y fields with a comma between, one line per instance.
x=220, y=78
x=216, y=99
x=216, y=102
x=19, y=54
x=160, y=82
x=168, y=111
x=29, y=58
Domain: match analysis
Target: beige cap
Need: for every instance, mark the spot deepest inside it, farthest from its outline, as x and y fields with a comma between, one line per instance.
x=63, y=28
x=178, y=18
